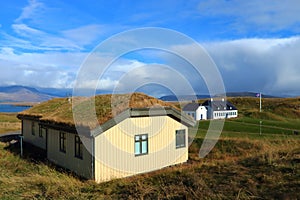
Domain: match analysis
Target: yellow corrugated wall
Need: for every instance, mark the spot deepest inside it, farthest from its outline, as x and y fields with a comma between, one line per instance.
x=114, y=149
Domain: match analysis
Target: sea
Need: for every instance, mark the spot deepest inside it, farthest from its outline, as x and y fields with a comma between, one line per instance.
x=8, y=108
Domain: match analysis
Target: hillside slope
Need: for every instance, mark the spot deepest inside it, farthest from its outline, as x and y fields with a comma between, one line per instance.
x=22, y=94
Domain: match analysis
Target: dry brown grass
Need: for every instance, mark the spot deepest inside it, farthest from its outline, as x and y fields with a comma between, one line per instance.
x=9, y=122
x=235, y=169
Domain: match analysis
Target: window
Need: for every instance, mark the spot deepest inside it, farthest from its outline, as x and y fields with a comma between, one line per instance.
x=42, y=131
x=193, y=115
x=78, y=147
x=180, y=138
x=141, y=144
x=33, y=128
x=62, y=142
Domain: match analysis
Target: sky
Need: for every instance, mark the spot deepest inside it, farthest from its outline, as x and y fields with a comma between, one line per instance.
x=254, y=44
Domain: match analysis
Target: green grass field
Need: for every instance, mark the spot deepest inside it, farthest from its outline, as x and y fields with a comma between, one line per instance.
x=243, y=165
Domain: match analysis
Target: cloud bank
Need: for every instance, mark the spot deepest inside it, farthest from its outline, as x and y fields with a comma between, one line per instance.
x=267, y=65
x=258, y=51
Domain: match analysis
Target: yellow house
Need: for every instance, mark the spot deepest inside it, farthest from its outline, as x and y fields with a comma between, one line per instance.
x=136, y=134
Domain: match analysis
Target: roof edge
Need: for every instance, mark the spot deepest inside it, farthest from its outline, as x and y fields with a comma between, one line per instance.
x=144, y=112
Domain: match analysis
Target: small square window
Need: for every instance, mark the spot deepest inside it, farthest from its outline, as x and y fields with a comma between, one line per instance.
x=180, y=138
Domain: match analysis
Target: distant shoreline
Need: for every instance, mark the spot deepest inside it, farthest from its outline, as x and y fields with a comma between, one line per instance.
x=20, y=104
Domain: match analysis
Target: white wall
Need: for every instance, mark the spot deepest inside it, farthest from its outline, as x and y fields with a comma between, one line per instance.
x=201, y=113
x=225, y=114
x=192, y=114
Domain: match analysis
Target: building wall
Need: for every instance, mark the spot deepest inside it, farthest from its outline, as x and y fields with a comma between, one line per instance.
x=115, y=148
x=82, y=167
x=192, y=114
x=201, y=111
x=33, y=139
x=225, y=114
x=209, y=112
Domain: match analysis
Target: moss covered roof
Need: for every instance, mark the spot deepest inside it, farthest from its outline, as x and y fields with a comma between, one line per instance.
x=60, y=110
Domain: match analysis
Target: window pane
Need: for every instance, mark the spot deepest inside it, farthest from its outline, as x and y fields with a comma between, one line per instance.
x=144, y=137
x=137, y=148
x=78, y=147
x=144, y=147
x=180, y=138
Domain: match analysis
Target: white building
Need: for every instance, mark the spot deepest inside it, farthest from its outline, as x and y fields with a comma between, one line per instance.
x=220, y=109
x=195, y=110
x=211, y=109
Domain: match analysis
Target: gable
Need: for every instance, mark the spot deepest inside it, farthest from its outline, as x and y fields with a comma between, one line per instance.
x=145, y=112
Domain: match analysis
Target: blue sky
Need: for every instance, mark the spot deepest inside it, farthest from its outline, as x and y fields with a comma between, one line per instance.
x=255, y=44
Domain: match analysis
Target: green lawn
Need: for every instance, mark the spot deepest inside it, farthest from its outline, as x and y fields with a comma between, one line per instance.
x=249, y=127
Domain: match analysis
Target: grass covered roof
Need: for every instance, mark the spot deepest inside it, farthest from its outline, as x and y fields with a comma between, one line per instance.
x=60, y=110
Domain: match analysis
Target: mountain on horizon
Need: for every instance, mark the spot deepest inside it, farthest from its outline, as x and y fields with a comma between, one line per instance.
x=19, y=93
x=206, y=96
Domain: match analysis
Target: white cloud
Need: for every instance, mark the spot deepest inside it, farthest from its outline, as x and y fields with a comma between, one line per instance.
x=28, y=38
x=84, y=35
x=30, y=32
x=26, y=31
x=39, y=69
x=268, y=65
x=271, y=15
x=30, y=10
x=154, y=79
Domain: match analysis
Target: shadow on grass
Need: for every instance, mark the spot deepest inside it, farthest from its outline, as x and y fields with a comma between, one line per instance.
x=36, y=155
x=30, y=153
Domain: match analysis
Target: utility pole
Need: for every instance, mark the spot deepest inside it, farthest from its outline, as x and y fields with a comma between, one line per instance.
x=260, y=102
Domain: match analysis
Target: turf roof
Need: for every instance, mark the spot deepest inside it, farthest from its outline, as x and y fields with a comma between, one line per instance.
x=59, y=110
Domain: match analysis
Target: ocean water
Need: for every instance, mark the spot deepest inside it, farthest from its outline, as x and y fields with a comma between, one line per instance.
x=7, y=108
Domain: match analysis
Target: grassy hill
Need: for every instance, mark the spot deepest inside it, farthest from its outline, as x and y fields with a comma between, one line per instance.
x=243, y=165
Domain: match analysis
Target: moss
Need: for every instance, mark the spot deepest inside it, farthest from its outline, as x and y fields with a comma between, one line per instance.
x=60, y=110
